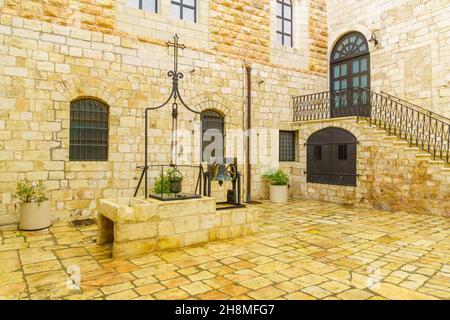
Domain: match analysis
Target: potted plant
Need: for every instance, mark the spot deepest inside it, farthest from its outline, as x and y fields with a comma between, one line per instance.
x=279, y=182
x=34, y=208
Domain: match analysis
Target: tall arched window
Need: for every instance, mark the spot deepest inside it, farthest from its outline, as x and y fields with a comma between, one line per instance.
x=349, y=68
x=88, y=130
x=331, y=157
x=185, y=9
x=213, y=126
x=284, y=22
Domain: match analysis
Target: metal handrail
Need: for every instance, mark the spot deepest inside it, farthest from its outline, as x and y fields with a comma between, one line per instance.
x=419, y=127
x=415, y=106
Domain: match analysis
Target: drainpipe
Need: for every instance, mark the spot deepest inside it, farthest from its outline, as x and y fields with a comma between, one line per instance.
x=248, y=70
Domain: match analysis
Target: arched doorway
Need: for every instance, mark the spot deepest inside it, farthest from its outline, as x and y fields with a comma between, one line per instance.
x=349, y=68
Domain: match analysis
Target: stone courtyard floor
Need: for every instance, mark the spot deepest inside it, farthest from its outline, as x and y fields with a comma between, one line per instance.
x=304, y=250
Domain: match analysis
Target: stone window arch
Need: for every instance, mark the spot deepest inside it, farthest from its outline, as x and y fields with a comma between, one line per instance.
x=331, y=157
x=88, y=130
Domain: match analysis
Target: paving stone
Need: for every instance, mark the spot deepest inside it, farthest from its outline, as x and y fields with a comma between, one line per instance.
x=196, y=288
x=123, y=295
x=334, y=253
x=355, y=294
x=267, y=293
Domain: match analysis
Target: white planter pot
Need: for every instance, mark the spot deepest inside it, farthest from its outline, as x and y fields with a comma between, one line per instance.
x=34, y=216
x=278, y=194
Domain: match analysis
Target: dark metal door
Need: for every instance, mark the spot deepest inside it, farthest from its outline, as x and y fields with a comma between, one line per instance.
x=331, y=157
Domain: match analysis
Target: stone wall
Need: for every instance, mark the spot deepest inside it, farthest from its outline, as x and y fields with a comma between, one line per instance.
x=55, y=51
x=412, y=60
x=392, y=176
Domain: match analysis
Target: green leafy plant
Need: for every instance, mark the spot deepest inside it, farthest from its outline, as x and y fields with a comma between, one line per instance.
x=162, y=183
x=27, y=192
x=277, y=177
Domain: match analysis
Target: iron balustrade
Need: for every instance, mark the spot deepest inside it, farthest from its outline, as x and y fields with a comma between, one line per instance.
x=417, y=126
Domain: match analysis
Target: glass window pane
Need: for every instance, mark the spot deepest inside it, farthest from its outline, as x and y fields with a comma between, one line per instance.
x=337, y=85
x=279, y=24
x=337, y=101
x=364, y=81
x=133, y=3
x=355, y=66
x=364, y=64
x=356, y=82
x=189, y=3
x=343, y=84
x=336, y=72
x=344, y=70
x=189, y=14
x=175, y=11
x=279, y=38
x=287, y=27
x=287, y=41
x=279, y=8
x=149, y=5
x=287, y=12
x=363, y=47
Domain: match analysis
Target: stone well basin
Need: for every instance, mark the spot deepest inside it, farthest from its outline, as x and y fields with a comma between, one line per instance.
x=137, y=226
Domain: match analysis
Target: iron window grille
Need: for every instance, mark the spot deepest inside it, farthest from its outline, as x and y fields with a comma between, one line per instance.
x=284, y=22
x=185, y=9
x=212, y=120
x=147, y=5
x=88, y=130
x=287, y=146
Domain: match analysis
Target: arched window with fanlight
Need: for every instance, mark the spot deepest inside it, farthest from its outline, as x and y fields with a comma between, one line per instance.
x=88, y=130
x=284, y=22
x=213, y=126
x=349, y=68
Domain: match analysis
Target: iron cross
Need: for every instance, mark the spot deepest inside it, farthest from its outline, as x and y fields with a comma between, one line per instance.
x=175, y=46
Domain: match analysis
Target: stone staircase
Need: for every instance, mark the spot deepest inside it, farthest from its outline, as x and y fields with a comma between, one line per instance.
x=403, y=145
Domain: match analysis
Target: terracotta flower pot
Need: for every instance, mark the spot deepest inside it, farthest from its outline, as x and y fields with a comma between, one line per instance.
x=279, y=194
x=34, y=216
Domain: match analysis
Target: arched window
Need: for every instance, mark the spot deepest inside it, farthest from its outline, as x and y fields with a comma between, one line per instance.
x=88, y=130
x=331, y=157
x=213, y=126
x=185, y=9
x=284, y=22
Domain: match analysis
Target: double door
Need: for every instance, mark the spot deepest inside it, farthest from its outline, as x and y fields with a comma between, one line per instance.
x=346, y=75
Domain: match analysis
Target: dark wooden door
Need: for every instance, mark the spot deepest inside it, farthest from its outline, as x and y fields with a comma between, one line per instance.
x=350, y=68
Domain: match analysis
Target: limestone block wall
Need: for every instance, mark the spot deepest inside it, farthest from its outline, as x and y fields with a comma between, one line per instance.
x=392, y=176
x=52, y=52
x=412, y=60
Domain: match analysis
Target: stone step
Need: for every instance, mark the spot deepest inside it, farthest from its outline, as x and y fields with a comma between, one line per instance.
x=424, y=156
x=390, y=138
x=413, y=149
x=401, y=143
x=438, y=162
